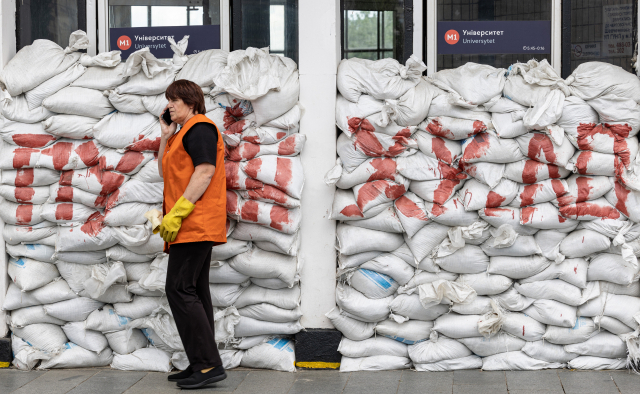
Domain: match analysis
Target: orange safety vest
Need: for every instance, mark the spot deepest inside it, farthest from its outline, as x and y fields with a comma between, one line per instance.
x=208, y=220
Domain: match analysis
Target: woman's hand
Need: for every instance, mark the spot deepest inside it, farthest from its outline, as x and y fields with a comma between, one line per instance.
x=167, y=130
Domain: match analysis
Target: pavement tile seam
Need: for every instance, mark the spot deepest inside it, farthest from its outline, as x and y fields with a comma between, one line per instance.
x=616, y=384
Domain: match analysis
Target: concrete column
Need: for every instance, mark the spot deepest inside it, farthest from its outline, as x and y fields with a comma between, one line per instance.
x=7, y=51
x=319, y=32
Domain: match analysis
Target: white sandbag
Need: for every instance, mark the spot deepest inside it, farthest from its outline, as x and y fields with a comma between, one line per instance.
x=147, y=359
x=510, y=216
x=457, y=326
x=593, y=79
x=479, y=306
x=287, y=298
x=277, y=354
x=523, y=246
x=625, y=200
x=612, y=268
x=405, y=307
x=516, y=361
x=423, y=277
x=378, y=346
x=73, y=310
x=224, y=295
x=74, y=356
x=43, y=59
x=420, y=167
x=29, y=274
x=580, y=332
x=56, y=291
x=442, y=149
x=106, y=320
x=595, y=163
x=31, y=315
x=612, y=325
x=203, y=67
x=604, y=139
x=469, y=362
x=468, y=260
x=552, y=312
x=352, y=329
x=78, y=101
x=582, y=243
x=128, y=103
x=443, y=348
x=93, y=180
x=604, y=345
x=597, y=363
x=496, y=344
x=46, y=337
x=104, y=59
x=66, y=213
x=102, y=78
x=68, y=194
x=485, y=172
x=374, y=363
x=426, y=239
x=488, y=147
x=554, y=289
x=271, y=313
x=452, y=213
x=476, y=83
x=485, y=284
x=386, y=79
x=70, y=126
x=583, y=188
x=387, y=221
x=523, y=326
x=513, y=301
x=25, y=357
x=248, y=326
x=373, y=284
x=452, y=128
x=572, y=271
x=120, y=253
x=91, y=236
x=126, y=341
x=359, y=306
x=409, y=332
x=540, y=147
x=284, y=173
x=139, y=307
x=517, y=267
x=25, y=195
x=506, y=126
x=17, y=109
x=14, y=235
x=532, y=171
x=88, y=339
x=442, y=106
x=349, y=240
x=26, y=135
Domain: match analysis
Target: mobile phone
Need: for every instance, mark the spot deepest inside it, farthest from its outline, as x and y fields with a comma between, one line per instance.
x=166, y=116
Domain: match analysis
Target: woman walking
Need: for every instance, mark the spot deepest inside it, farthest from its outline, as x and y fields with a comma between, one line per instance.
x=191, y=161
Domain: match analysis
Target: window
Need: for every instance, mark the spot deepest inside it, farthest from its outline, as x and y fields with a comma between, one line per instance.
x=492, y=10
x=376, y=29
x=53, y=20
x=601, y=30
x=262, y=23
x=135, y=13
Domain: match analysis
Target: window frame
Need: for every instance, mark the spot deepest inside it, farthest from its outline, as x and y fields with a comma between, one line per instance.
x=408, y=44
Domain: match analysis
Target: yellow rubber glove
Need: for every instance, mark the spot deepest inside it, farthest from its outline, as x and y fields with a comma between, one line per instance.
x=172, y=221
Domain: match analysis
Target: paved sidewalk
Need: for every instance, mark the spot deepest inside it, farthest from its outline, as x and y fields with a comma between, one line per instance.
x=107, y=381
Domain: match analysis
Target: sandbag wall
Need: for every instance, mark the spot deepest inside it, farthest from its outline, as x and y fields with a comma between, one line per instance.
x=79, y=171
x=488, y=218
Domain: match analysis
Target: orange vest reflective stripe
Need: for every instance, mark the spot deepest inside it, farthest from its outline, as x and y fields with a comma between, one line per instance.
x=208, y=220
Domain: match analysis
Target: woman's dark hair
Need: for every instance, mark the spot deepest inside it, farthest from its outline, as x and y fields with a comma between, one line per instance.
x=189, y=92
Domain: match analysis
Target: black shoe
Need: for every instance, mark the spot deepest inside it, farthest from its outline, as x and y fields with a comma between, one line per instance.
x=181, y=375
x=199, y=379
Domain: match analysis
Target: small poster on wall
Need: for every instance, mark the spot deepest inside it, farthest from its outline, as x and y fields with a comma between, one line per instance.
x=494, y=37
x=131, y=39
x=617, y=28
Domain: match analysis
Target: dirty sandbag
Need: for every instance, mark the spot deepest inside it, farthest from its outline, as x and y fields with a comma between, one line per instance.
x=453, y=128
x=546, y=216
x=596, y=163
x=599, y=208
x=603, y=138
x=43, y=59
x=576, y=112
x=289, y=146
x=20, y=214
x=472, y=84
x=477, y=195
x=488, y=147
x=284, y=173
x=350, y=116
x=68, y=194
x=38, y=251
x=498, y=217
x=618, y=112
x=382, y=79
x=485, y=172
x=541, y=147
x=532, y=171
x=438, y=191
x=582, y=188
x=28, y=135
x=25, y=357
x=66, y=213
x=79, y=101
x=439, y=148
x=539, y=192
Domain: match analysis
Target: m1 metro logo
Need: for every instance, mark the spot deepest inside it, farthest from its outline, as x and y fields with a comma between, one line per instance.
x=124, y=42
x=451, y=37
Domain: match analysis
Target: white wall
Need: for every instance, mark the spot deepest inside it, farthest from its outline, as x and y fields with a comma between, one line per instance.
x=319, y=34
x=7, y=50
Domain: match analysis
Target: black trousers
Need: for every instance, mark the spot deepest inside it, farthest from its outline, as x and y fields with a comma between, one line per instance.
x=187, y=290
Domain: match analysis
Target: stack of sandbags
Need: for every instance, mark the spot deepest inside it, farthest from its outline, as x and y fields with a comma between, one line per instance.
x=523, y=259
x=77, y=180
